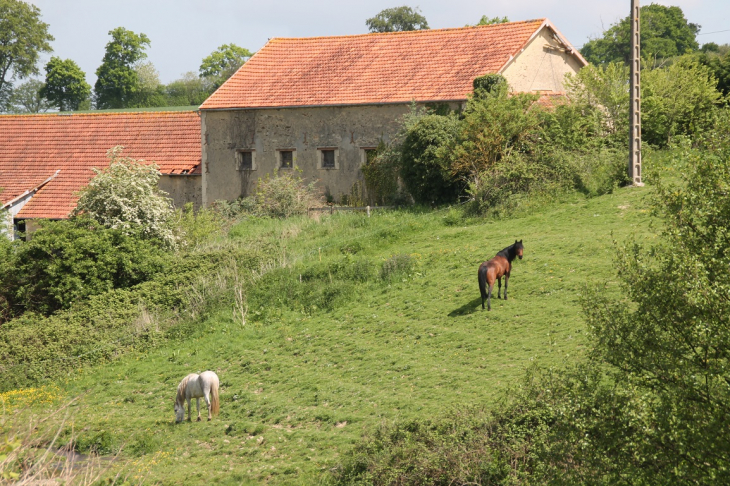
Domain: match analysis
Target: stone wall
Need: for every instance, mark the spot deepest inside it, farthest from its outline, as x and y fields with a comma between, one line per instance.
x=183, y=189
x=346, y=129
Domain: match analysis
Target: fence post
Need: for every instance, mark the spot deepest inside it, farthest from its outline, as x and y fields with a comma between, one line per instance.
x=368, y=211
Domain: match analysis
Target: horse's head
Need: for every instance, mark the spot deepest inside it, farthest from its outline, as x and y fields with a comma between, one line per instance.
x=179, y=412
x=518, y=248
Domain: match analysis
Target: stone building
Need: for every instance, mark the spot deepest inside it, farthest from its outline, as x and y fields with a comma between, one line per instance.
x=45, y=159
x=320, y=104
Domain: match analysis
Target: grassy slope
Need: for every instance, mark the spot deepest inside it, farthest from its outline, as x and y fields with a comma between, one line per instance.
x=299, y=389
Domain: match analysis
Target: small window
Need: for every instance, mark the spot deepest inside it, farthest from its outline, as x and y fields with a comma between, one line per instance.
x=368, y=154
x=328, y=159
x=286, y=159
x=245, y=160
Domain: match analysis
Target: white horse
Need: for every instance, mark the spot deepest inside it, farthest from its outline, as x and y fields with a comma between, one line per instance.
x=204, y=385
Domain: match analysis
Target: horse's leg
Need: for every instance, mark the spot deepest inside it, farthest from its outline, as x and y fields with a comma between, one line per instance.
x=189, y=417
x=499, y=288
x=207, y=402
x=197, y=401
x=506, y=279
x=489, y=296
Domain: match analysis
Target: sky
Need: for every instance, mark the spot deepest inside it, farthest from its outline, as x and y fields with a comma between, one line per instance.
x=183, y=32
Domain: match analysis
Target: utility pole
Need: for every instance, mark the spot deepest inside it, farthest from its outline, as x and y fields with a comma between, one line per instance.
x=635, y=107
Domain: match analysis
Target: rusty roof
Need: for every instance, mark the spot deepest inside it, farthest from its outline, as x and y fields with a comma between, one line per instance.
x=395, y=67
x=65, y=147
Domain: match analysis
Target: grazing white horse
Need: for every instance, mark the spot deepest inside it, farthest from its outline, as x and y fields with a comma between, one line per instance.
x=204, y=385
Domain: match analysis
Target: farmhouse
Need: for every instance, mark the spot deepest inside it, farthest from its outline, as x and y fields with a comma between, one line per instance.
x=321, y=104
x=45, y=159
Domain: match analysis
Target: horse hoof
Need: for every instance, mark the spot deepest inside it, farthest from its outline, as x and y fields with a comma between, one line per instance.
x=198, y=419
x=209, y=420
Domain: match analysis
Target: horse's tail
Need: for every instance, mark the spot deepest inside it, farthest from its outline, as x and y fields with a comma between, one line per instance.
x=482, y=276
x=215, y=404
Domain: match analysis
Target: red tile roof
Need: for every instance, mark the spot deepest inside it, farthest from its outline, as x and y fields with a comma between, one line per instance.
x=397, y=67
x=34, y=147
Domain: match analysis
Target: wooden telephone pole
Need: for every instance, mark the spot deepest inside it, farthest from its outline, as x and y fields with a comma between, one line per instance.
x=635, y=107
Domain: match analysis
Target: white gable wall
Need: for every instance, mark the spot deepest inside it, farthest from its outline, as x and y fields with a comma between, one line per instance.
x=541, y=65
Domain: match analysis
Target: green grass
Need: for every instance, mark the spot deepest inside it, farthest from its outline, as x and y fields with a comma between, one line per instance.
x=328, y=353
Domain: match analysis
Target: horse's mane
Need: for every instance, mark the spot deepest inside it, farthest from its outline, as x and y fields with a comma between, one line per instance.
x=182, y=388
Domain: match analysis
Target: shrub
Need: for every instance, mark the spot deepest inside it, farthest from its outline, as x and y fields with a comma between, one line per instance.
x=69, y=261
x=380, y=174
x=284, y=195
x=425, y=164
x=125, y=196
x=194, y=228
x=397, y=266
x=495, y=126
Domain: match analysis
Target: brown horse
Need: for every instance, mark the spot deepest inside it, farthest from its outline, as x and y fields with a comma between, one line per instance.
x=493, y=270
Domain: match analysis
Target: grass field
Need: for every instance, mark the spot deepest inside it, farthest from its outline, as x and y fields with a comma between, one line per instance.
x=309, y=372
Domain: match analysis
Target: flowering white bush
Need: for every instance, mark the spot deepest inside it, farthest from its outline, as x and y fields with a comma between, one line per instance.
x=125, y=196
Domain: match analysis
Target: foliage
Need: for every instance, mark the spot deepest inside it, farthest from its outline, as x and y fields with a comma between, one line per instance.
x=223, y=62
x=492, y=20
x=720, y=66
x=397, y=19
x=66, y=85
x=190, y=89
x=118, y=84
x=93, y=330
x=380, y=174
x=677, y=100
x=425, y=164
x=490, y=83
x=22, y=38
x=125, y=196
x=601, y=94
x=665, y=33
x=28, y=98
x=495, y=125
x=285, y=194
x=197, y=227
x=66, y=262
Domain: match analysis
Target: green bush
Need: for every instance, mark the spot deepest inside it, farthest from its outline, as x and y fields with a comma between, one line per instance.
x=69, y=261
x=425, y=163
x=284, y=195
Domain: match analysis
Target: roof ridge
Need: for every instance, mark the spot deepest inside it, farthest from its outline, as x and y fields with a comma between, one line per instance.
x=101, y=113
x=413, y=32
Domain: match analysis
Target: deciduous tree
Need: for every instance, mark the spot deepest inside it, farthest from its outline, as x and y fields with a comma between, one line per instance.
x=397, y=19
x=223, y=62
x=22, y=38
x=492, y=20
x=28, y=98
x=665, y=32
x=117, y=82
x=66, y=85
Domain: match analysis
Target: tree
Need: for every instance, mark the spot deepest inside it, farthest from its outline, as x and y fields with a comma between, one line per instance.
x=190, y=89
x=719, y=63
x=669, y=335
x=223, y=62
x=125, y=196
x=22, y=38
x=665, y=33
x=397, y=19
x=677, y=100
x=603, y=91
x=151, y=91
x=117, y=82
x=28, y=98
x=66, y=85
x=493, y=20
